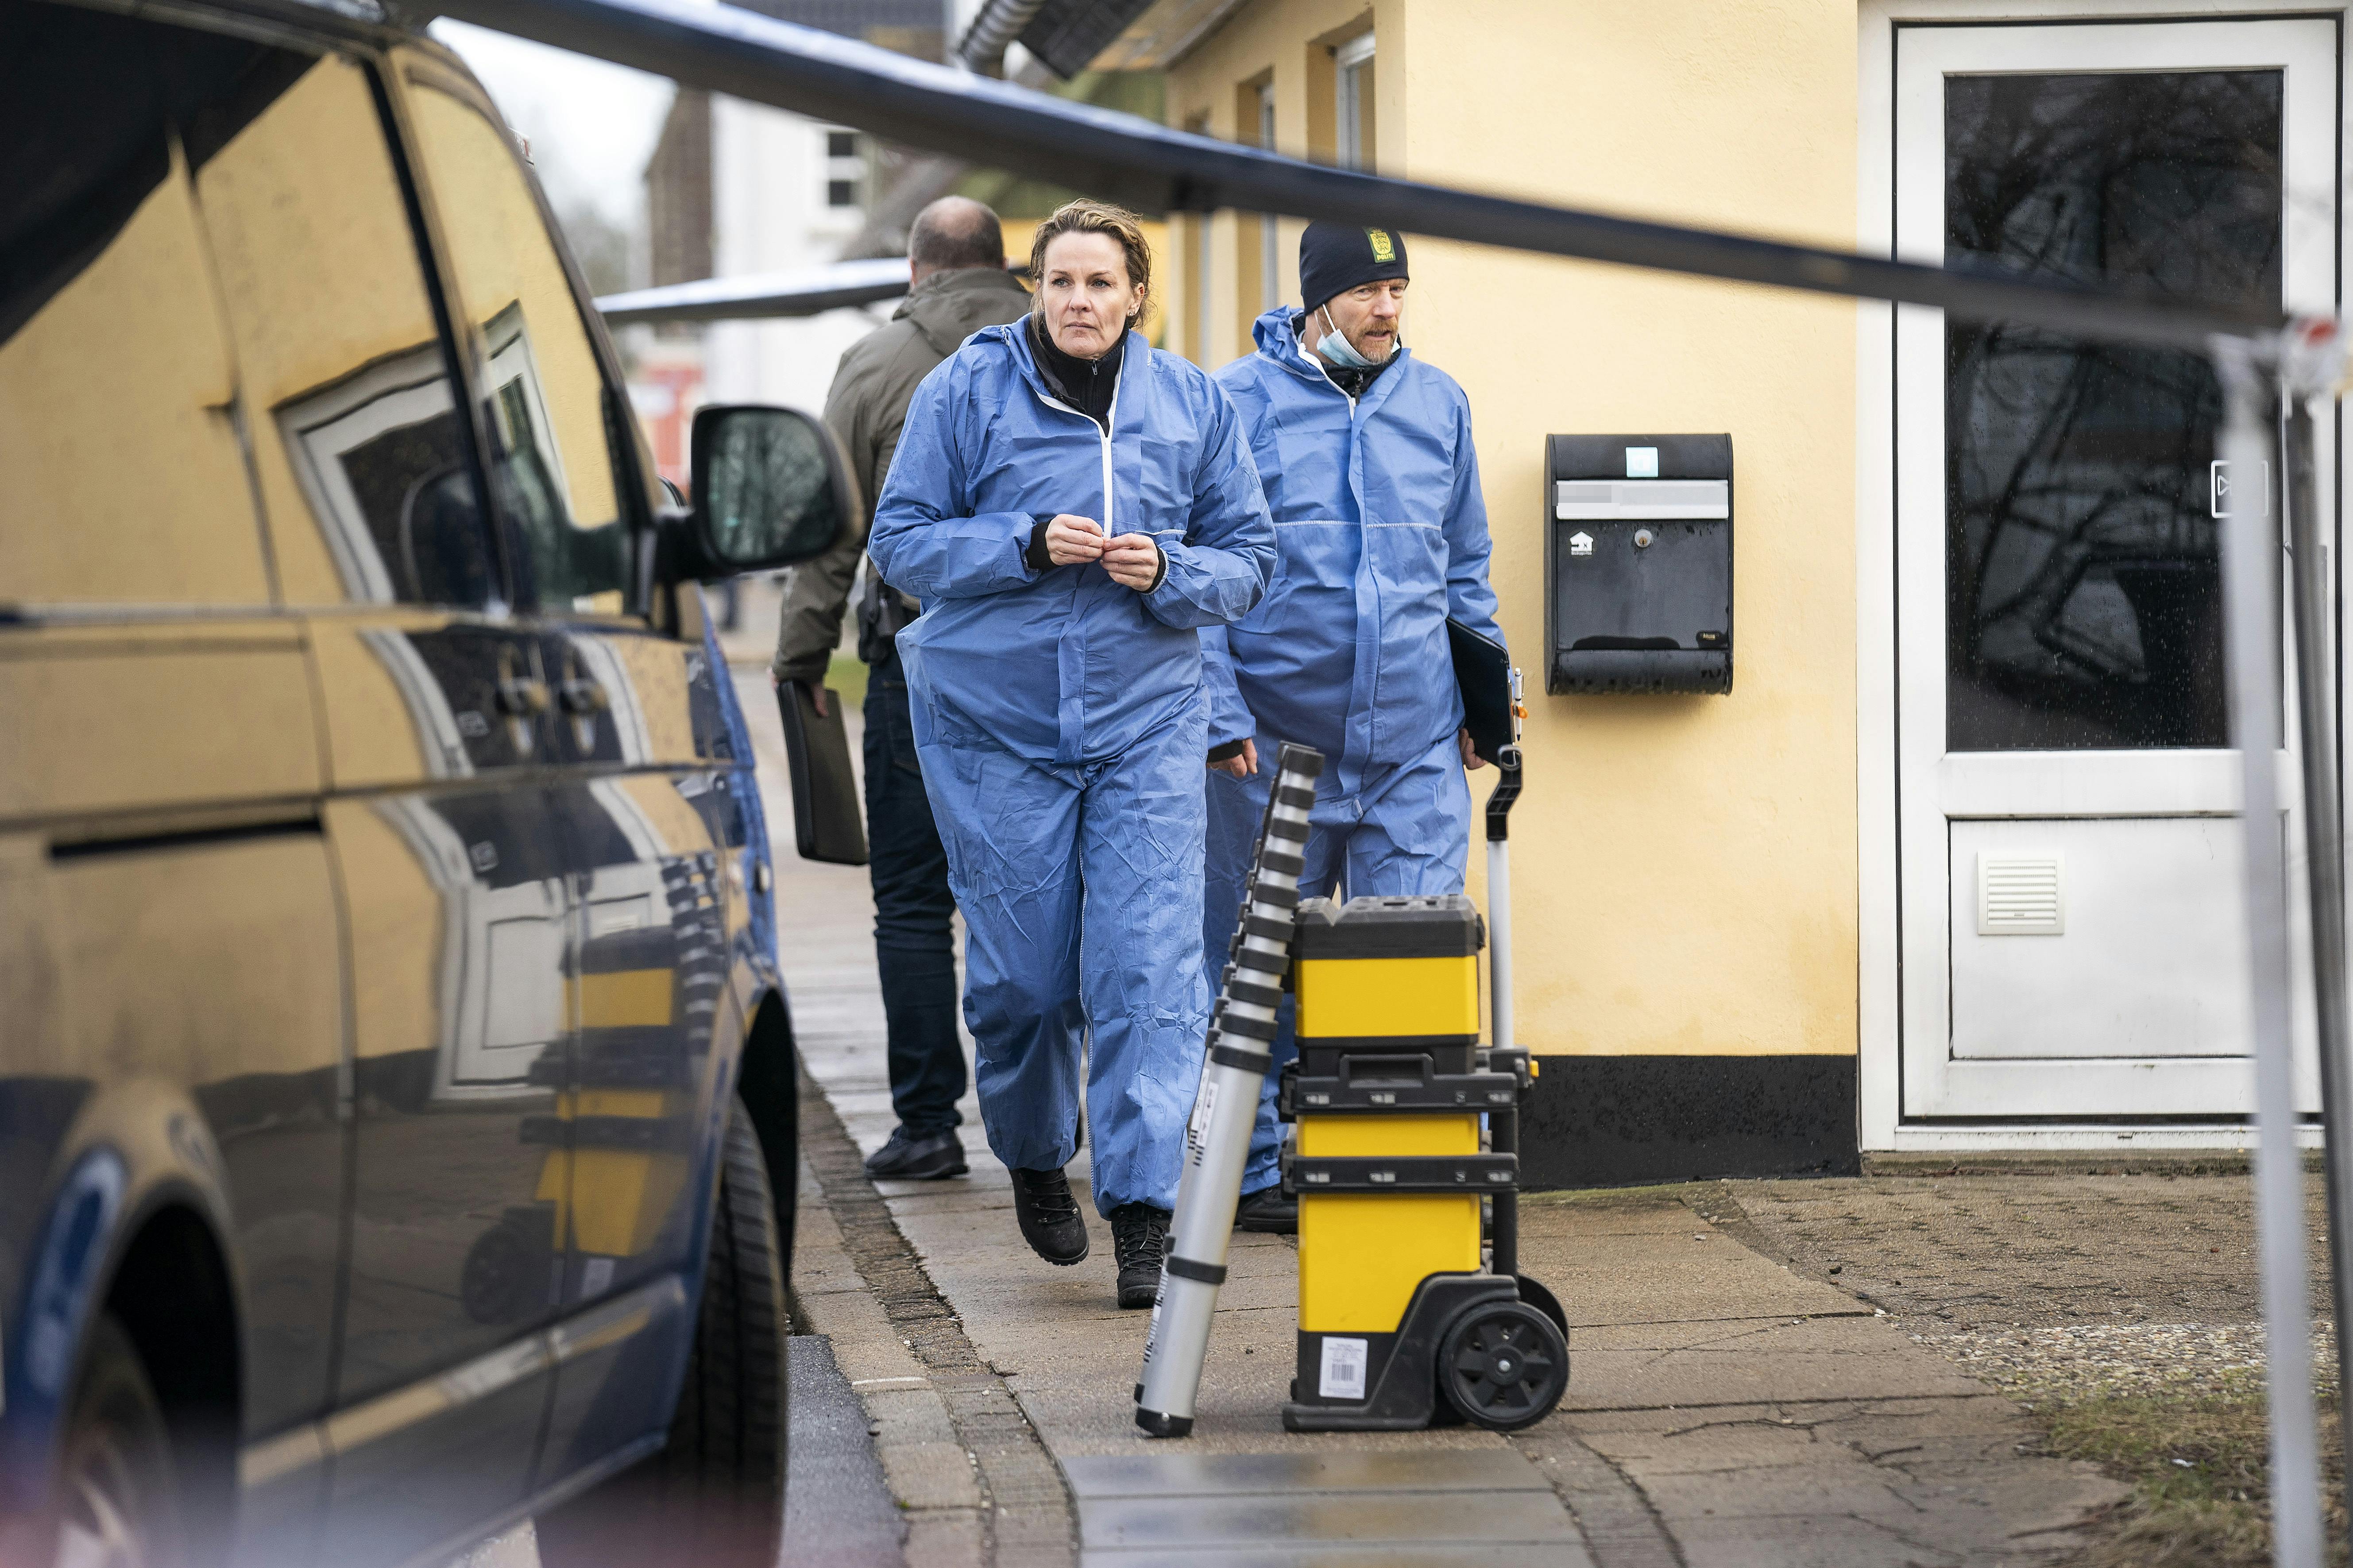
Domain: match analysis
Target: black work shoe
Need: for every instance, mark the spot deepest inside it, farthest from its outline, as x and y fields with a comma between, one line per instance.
x=1139, y=1235
x=1268, y=1211
x=1050, y=1221
x=917, y=1157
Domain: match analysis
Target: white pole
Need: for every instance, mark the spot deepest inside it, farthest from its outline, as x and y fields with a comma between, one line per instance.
x=2251, y=550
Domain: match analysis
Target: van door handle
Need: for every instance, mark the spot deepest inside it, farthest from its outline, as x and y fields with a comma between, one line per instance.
x=583, y=698
x=521, y=696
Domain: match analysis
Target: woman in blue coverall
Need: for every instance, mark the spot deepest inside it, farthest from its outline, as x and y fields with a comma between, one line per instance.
x=1072, y=507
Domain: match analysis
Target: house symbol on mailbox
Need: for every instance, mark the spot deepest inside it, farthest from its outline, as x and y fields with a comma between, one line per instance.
x=1581, y=543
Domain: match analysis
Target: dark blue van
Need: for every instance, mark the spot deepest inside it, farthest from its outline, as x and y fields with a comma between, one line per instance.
x=396, y=1106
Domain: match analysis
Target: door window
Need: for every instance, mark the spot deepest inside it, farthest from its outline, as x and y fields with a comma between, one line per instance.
x=558, y=484
x=117, y=411
x=2082, y=589
x=356, y=438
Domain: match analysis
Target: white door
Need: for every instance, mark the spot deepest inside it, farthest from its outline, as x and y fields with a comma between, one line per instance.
x=2070, y=934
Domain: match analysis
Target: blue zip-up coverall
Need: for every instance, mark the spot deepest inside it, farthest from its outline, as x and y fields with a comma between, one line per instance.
x=1382, y=535
x=1063, y=728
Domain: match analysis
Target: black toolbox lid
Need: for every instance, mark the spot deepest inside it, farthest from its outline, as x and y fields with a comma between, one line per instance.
x=1423, y=925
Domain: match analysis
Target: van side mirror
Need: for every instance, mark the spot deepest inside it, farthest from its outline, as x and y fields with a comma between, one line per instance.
x=770, y=489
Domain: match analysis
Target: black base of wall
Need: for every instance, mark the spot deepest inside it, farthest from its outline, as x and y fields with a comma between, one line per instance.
x=1601, y=1121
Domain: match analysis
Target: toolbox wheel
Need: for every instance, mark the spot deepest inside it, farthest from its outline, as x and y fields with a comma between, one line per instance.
x=1502, y=1365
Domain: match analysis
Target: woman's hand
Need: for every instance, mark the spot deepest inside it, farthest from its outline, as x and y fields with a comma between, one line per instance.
x=1471, y=760
x=1072, y=541
x=1132, y=559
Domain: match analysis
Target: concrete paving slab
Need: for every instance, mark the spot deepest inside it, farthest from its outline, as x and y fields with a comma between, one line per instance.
x=1401, y=1500
x=1651, y=1278
x=1399, y=1519
x=1179, y=1473
x=1813, y=1333
x=1340, y=1554
x=1743, y=1374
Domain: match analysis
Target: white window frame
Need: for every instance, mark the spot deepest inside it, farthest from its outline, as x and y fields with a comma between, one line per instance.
x=1348, y=104
x=851, y=168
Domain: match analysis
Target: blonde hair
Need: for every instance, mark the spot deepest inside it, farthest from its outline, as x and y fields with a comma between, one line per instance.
x=1088, y=216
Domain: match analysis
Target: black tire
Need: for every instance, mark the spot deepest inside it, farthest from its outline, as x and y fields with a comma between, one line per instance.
x=1502, y=1365
x=715, y=1495
x=118, y=1496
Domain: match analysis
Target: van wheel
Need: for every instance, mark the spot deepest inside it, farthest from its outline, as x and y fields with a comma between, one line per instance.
x=119, y=1486
x=715, y=1495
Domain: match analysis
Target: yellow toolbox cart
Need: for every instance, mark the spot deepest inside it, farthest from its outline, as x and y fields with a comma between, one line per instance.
x=1403, y=1320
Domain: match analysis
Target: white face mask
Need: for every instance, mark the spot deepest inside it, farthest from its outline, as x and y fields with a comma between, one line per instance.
x=1335, y=346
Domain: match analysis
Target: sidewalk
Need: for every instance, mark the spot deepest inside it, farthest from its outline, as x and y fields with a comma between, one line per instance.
x=1721, y=1409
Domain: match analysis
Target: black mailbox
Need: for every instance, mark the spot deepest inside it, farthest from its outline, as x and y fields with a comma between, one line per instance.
x=1638, y=564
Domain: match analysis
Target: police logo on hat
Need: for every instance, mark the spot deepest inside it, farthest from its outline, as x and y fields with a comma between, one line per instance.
x=1335, y=257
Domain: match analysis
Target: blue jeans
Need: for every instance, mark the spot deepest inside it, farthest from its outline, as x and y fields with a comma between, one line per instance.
x=914, y=941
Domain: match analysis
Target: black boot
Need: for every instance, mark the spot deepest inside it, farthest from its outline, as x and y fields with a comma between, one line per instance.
x=917, y=1157
x=1139, y=1235
x=1268, y=1211
x=1050, y=1221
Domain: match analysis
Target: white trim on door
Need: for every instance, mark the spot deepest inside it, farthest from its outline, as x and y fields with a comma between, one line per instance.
x=1880, y=965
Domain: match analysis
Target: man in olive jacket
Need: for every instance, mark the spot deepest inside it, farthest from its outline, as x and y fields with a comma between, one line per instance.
x=956, y=253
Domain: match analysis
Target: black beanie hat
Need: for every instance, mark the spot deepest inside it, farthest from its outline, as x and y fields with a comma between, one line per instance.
x=1335, y=257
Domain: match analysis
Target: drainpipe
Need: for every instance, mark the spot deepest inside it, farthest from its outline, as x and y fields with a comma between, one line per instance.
x=982, y=49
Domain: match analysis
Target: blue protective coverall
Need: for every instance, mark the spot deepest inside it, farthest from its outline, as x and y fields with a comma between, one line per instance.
x=1063, y=727
x=1382, y=535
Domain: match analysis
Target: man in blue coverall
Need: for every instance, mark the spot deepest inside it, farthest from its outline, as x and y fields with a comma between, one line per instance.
x=1370, y=474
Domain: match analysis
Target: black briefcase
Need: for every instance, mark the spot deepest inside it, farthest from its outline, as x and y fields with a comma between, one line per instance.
x=828, y=822
x=1482, y=669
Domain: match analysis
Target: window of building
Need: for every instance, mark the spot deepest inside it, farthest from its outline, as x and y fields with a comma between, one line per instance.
x=845, y=170
x=1257, y=269
x=1270, y=261
x=1198, y=295
x=1353, y=101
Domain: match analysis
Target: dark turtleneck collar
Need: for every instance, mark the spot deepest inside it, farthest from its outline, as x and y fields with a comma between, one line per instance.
x=1086, y=385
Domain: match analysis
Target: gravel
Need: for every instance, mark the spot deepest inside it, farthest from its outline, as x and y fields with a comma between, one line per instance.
x=2082, y=1361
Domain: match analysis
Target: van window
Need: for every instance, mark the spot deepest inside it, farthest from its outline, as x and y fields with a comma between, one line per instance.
x=361, y=461
x=124, y=480
x=549, y=406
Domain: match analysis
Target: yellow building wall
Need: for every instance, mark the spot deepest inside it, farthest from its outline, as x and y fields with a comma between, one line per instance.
x=1684, y=878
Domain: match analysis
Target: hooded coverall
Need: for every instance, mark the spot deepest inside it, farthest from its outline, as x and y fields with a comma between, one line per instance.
x=1383, y=538
x=1062, y=727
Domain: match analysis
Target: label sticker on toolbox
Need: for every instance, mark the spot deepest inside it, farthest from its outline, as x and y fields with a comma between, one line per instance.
x=1342, y=1376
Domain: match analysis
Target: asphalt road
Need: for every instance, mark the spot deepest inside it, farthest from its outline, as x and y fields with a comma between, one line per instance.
x=838, y=1514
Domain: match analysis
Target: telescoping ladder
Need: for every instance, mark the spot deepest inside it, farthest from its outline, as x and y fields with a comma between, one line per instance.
x=1225, y=1110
